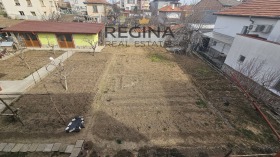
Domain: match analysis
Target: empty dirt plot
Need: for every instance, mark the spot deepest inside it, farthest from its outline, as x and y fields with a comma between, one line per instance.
x=15, y=69
x=41, y=121
x=147, y=97
x=147, y=101
x=153, y=98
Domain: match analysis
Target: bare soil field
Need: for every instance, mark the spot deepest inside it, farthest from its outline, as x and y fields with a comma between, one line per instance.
x=38, y=112
x=144, y=100
x=15, y=69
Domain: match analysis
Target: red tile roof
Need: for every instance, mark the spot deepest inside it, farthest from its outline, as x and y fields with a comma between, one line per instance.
x=55, y=27
x=255, y=8
x=169, y=8
x=96, y=2
x=187, y=8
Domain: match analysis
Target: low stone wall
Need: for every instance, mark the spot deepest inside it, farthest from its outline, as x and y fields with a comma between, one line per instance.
x=266, y=96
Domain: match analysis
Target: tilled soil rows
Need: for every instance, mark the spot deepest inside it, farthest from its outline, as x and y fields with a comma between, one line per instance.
x=145, y=100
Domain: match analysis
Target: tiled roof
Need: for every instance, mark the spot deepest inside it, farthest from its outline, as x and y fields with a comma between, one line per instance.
x=255, y=8
x=96, y=2
x=230, y=2
x=6, y=22
x=186, y=7
x=169, y=8
x=55, y=27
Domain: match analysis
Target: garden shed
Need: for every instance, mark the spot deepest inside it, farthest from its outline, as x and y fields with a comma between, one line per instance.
x=43, y=34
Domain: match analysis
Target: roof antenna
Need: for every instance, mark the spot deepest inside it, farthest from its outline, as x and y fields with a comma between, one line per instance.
x=251, y=20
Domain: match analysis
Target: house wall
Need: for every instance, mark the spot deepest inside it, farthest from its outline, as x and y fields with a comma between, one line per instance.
x=275, y=33
x=128, y=6
x=145, y=4
x=79, y=40
x=13, y=10
x=173, y=15
x=47, y=39
x=100, y=9
x=232, y=25
x=254, y=48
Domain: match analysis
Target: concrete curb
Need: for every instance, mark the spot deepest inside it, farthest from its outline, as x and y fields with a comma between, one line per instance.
x=72, y=149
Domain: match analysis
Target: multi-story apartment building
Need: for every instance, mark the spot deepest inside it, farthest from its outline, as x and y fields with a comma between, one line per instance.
x=29, y=9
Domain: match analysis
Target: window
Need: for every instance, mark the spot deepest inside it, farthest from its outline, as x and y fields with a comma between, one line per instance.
x=17, y=3
x=29, y=3
x=21, y=13
x=42, y=3
x=94, y=8
x=277, y=86
x=130, y=1
x=51, y=3
x=33, y=13
x=241, y=58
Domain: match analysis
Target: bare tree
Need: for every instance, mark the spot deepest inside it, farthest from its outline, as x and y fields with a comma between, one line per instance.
x=21, y=48
x=114, y=13
x=269, y=77
x=51, y=45
x=61, y=73
x=253, y=75
x=189, y=32
x=53, y=17
x=92, y=43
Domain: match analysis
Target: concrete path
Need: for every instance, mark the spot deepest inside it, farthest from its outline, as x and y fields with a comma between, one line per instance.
x=18, y=87
x=72, y=149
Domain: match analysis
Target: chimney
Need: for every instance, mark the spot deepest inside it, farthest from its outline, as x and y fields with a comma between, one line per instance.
x=173, y=5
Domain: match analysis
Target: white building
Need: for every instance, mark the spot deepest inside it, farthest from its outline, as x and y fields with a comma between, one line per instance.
x=144, y=4
x=97, y=9
x=78, y=5
x=246, y=32
x=29, y=9
x=130, y=5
